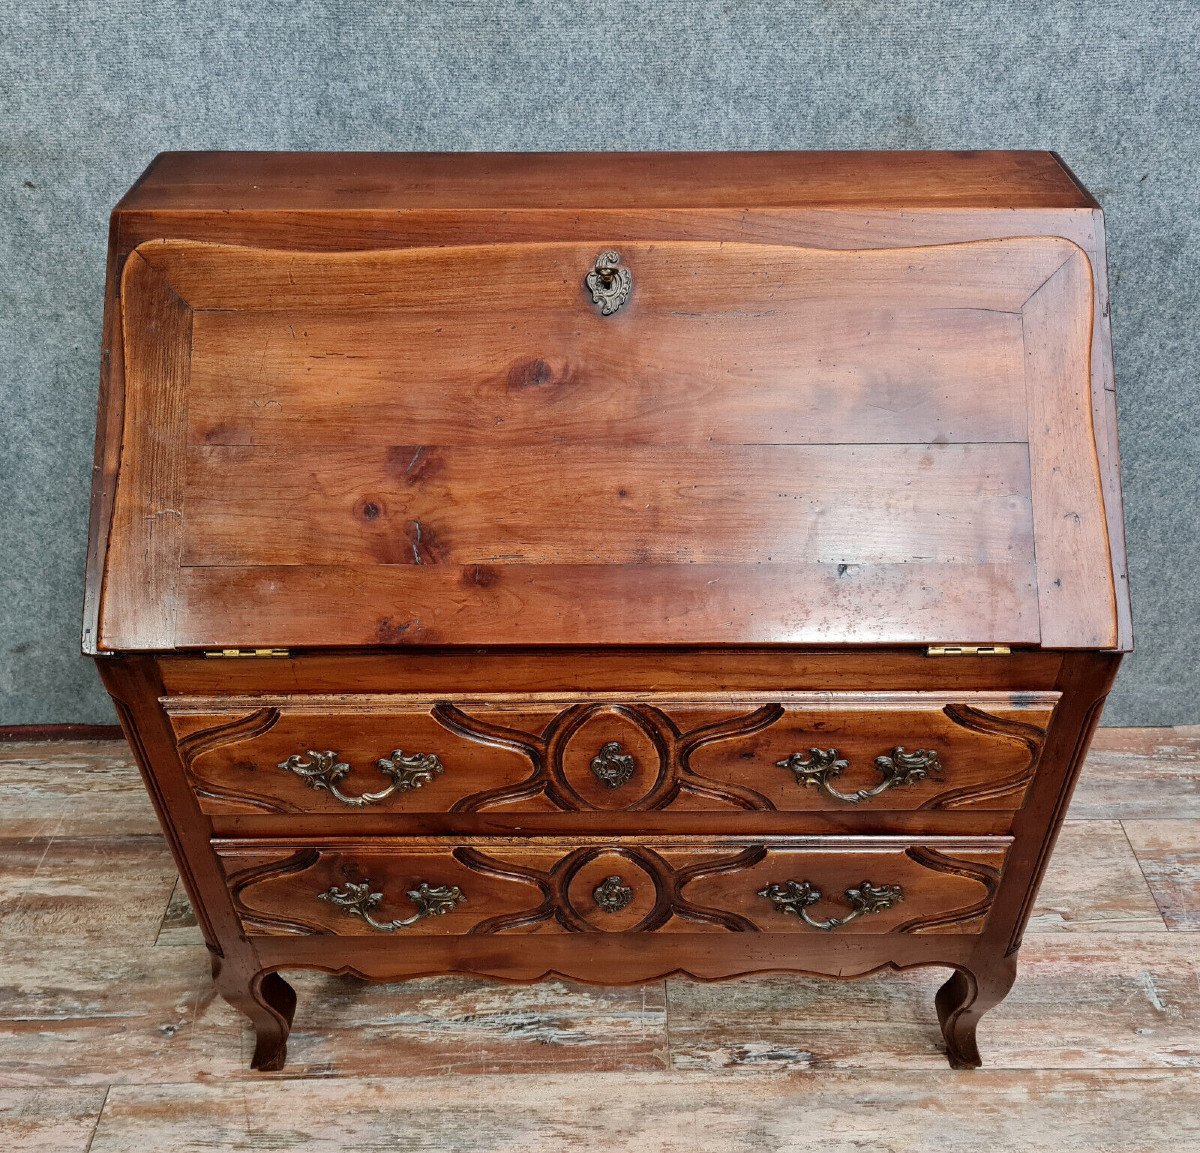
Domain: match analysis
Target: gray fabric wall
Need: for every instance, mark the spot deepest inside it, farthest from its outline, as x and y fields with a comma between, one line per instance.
x=90, y=91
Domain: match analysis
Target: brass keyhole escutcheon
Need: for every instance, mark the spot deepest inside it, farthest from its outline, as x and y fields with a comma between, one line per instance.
x=609, y=282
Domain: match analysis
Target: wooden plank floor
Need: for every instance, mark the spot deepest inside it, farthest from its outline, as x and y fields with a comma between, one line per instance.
x=111, y=1038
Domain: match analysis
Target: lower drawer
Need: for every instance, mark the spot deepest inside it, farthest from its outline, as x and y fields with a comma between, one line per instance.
x=441, y=887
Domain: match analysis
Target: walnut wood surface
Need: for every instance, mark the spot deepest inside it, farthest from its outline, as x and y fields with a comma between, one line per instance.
x=140, y=582
x=718, y=505
x=281, y=181
x=366, y=406
x=337, y=378
x=500, y=605
x=1070, y=535
x=1082, y=680
x=503, y=757
x=632, y=672
x=260, y=534
x=837, y=201
x=547, y=887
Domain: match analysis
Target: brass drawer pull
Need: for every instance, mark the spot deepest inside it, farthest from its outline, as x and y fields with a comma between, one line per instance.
x=897, y=768
x=612, y=765
x=795, y=897
x=613, y=895
x=609, y=282
x=357, y=900
x=324, y=770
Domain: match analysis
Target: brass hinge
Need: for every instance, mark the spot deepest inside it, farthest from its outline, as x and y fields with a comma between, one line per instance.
x=968, y=651
x=248, y=653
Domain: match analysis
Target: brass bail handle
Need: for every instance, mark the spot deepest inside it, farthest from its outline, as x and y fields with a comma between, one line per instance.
x=609, y=282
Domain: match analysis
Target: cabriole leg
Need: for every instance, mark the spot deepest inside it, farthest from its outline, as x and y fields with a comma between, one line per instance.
x=270, y=1003
x=965, y=998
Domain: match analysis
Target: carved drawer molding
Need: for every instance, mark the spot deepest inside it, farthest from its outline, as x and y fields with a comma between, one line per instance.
x=604, y=755
x=484, y=887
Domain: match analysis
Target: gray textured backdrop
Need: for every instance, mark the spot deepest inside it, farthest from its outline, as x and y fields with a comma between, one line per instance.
x=90, y=91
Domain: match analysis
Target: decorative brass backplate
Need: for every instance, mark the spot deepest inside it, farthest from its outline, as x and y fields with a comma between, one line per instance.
x=324, y=771
x=795, y=897
x=357, y=900
x=612, y=765
x=609, y=282
x=613, y=895
x=896, y=768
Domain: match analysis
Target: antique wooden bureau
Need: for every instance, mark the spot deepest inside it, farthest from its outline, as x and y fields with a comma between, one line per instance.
x=608, y=565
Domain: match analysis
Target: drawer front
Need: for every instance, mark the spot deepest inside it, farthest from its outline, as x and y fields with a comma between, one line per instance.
x=442, y=888
x=807, y=752
x=334, y=756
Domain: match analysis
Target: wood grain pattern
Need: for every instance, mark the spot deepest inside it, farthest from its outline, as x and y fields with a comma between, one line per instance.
x=456, y=1026
x=631, y=673
x=72, y=789
x=104, y=1015
x=49, y=1120
x=966, y=505
x=843, y=227
x=74, y=1019
x=874, y=373
x=917, y=602
x=426, y=954
x=1104, y=418
x=1081, y=1003
x=1141, y=773
x=698, y=275
x=428, y=181
x=1073, y=550
x=119, y=898
x=543, y=886
x=1169, y=855
x=142, y=562
x=108, y=1016
x=424, y=535
x=1094, y=885
x=106, y=459
x=535, y=754
x=905, y=1112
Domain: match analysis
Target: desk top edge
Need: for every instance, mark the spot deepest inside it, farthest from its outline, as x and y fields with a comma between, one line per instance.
x=447, y=181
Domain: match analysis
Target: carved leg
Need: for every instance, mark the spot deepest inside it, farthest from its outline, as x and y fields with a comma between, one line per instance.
x=965, y=998
x=269, y=1001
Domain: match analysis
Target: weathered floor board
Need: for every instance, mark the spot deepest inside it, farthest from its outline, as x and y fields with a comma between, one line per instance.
x=1169, y=855
x=110, y=1033
x=72, y=789
x=62, y=1120
x=143, y=1015
x=81, y=890
x=178, y=926
x=1140, y=773
x=1094, y=885
x=1080, y=1002
x=107, y=1015
x=900, y=1112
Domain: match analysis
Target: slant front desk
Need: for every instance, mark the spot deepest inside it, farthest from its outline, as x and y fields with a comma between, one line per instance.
x=608, y=566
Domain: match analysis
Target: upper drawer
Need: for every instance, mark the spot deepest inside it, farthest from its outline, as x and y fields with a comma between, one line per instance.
x=802, y=752
x=456, y=445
